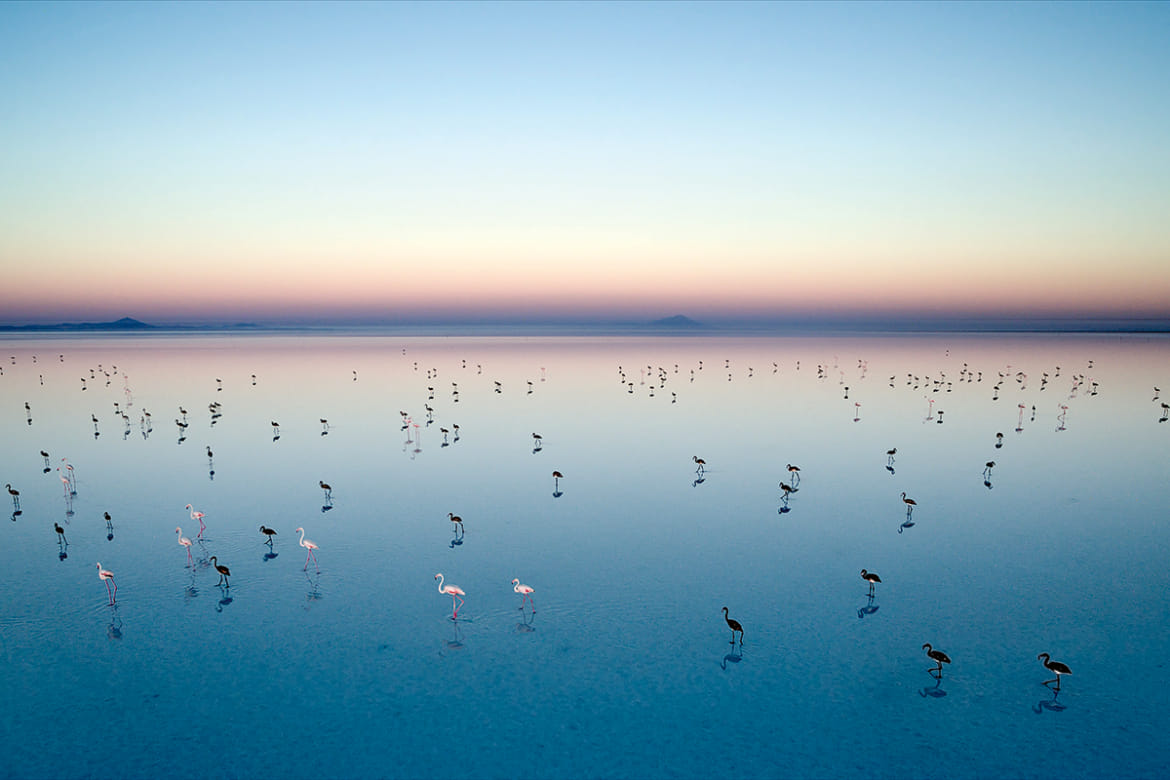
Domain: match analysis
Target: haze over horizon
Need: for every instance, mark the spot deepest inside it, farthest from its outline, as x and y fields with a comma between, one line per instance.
x=735, y=162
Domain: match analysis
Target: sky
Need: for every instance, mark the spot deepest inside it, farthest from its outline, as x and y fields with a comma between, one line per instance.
x=487, y=162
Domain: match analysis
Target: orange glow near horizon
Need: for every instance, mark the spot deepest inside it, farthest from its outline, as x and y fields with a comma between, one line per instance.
x=703, y=288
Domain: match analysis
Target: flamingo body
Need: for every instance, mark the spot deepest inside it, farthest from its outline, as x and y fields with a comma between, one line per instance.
x=734, y=625
x=1056, y=667
x=224, y=572
x=184, y=541
x=938, y=656
x=309, y=545
x=107, y=577
x=454, y=592
x=526, y=591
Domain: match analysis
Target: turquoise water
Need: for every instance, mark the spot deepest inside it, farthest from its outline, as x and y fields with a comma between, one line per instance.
x=354, y=667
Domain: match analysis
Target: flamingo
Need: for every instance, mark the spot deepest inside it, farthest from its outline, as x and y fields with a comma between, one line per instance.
x=526, y=591
x=890, y=455
x=267, y=532
x=60, y=532
x=987, y=467
x=224, y=572
x=12, y=492
x=64, y=481
x=1056, y=667
x=327, y=488
x=702, y=464
x=185, y=542
x=795, y=472
x=871, y=578
x=197, y=516
x=108, y=577
x=910, y=504
x=309, y=545
x=557, y=477
x=456, y=519
x=734, y=625
x=454, y=592
x=938, y=656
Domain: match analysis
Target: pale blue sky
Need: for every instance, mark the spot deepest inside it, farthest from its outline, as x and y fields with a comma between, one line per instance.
x=602, y=157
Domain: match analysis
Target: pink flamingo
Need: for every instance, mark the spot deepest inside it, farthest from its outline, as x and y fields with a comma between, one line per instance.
x=69, y=473
x=195, y=515
x=64, y=481
x=108, y=577
x=856, y=411
x=185, y=542
x=526, y=591
x=309, y=545
x=455, y=593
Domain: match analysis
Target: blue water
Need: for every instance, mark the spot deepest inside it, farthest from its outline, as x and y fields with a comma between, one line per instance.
x=355, y=668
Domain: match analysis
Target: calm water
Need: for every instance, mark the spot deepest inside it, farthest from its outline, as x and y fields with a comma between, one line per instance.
x=625, y=669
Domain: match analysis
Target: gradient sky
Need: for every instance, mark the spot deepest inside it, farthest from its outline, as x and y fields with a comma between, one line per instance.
x=451, y=162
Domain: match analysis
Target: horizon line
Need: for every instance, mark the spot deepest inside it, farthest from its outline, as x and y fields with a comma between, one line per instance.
x=677, y=324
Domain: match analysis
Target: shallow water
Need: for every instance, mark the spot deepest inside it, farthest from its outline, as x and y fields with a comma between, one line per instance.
x=625, y=669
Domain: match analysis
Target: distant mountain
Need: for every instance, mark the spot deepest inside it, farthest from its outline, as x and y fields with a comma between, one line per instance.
x=678, y=322
x=126, y=323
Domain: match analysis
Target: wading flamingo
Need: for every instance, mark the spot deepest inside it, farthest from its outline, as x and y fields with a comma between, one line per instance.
x=108, y=577
x=524, y=590
x=871, y=578
x=1056, y=667
x=910, y=504
x=309, y=545
x=454, y=592
x=224, y=572
x=939, y=657
x=185, y=542
x=197, y=516
x=734, y=625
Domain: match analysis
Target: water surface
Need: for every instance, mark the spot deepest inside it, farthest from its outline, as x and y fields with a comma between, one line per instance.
x=625, y=669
